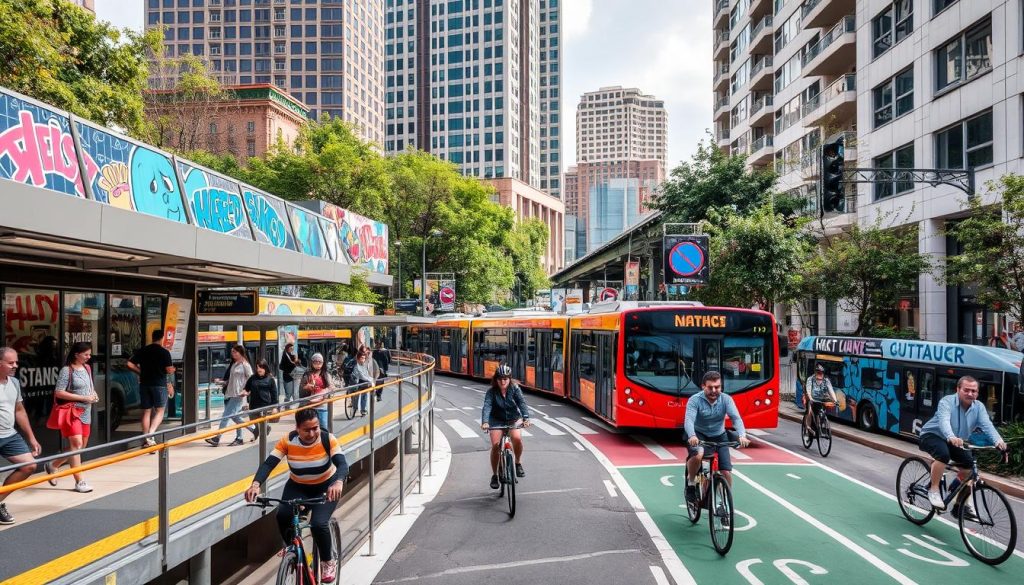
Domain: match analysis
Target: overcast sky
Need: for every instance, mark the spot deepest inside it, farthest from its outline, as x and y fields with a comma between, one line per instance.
x=662, y=47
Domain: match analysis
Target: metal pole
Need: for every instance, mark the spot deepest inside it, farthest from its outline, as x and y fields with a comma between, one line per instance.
x=423, y=280
x=401, y=290
x=373, y=468
x=401, y=456
x=419, y=436
x=199, y=569
x=163, y=502
x=261, y=428
x=430, y=442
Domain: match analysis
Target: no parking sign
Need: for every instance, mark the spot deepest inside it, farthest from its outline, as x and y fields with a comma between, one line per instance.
x=686, y=259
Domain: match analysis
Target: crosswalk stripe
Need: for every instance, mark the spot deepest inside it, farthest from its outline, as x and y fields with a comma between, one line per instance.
x=757, y=432
x=546, y=427
x=526, y=433
x=659, y=451
x=461, y=428
x=738, y=456
x=576, y=426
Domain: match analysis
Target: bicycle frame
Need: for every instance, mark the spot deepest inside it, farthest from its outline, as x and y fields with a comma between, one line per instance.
x=303, y=569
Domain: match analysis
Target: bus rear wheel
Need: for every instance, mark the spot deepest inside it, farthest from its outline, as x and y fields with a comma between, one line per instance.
x=867, y=419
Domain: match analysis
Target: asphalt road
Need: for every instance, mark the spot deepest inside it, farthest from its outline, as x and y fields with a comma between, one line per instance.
x=599, y=506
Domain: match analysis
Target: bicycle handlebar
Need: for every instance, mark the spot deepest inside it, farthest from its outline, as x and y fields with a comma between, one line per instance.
x=503, y=427
x=265, y=502
x=716, y=445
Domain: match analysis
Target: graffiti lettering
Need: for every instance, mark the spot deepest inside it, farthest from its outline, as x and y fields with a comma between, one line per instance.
x=266, y=219
x=850, y=346
x=216, y=209
x=373, y=245
x=26, y=309
x=40, y=149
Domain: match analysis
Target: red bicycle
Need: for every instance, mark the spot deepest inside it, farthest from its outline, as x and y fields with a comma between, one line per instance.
x=713, y=492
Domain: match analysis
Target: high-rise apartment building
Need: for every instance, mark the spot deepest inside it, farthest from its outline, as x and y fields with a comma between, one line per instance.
x=621, y=124
x=328, y=54
x=550, y=97
x=464, y=83
x=912, y=84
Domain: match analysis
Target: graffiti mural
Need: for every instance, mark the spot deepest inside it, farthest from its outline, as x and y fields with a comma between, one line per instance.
x=364, y=242
x=130, y=176
x=274, y=305
x=216, y=203
x=307, y=232
x=269, y=218
x=331, y=241
x=37, y=148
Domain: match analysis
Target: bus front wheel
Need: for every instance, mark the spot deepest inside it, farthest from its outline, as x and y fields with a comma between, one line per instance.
x=866, y=418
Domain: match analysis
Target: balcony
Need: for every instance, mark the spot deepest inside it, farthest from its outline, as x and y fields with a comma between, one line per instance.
x=758, y=8
x=721, y=13
x=761, y=74
x=761, y=36
x=721, y=108
x=762, y=150
x=763, y=110
x=837, y=102
x=835, y=53
x=721, y=77
x=722, y=135
x=721, y=45
x=821, y=13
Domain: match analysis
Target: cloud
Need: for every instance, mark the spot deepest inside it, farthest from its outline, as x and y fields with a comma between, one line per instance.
x=576, y=18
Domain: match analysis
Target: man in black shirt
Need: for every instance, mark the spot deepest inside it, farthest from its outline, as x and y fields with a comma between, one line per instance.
x=153, y=365
x=289, y=361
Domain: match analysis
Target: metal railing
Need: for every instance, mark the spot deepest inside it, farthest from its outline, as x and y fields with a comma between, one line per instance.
x=845, y=83
x=762, y=102
x=847, y=25
x=721, y=5
x=761, y=65
x=765, y=23
x=808, y=6
x=720, y=37
x=722, y=102
x=763, y=142
x=362, y=443
x=723, y=69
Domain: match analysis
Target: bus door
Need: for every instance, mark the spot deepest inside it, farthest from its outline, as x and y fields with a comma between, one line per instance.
x=479, y=346
x=917, y=394
x=456, y=349
x=604, y=398
x=542, y=365
x=517, y=352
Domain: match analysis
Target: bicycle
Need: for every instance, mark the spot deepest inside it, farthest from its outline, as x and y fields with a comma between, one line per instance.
x=713, y=490
x=980, y=527
x=297, y=566
x=507, y=467
x=821, y=427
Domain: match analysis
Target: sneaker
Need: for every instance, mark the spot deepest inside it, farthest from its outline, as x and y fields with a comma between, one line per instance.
x=379, y=398
x=82, y=487
x=5, y=516
x=936, y=500
x=691, y=494
x=968, y=509
x=520, y=472
x=50, y=469
x=238, y=441
x=722, y=515
x=150, y=442
x=212, y=441
x=255, y=434
x=494, y=482
x=328, y=571
x=363, y=413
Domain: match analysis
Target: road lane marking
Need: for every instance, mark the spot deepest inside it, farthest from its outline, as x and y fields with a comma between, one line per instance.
x=576, y=426
x=659, y=575
x=793, y=475
x=514, y=565
x=461, y=428
x=853, y=546
x=518, y=494
x=739, y=456
x=750, y=521
x=525, y=433
x=757, y=432
x=546, y=427
x=610, y=486
x=666, y=480
x=578, y=446
x=659, y=451
x=672, y=562
x=473, y=389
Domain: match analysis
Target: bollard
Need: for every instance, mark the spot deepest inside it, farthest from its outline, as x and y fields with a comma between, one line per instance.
x=401, y=456
x=373, y=468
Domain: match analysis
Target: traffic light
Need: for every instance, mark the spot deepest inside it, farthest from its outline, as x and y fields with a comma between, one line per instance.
x=832, y=192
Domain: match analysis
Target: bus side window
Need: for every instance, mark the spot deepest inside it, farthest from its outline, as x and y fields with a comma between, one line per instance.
x=925, y=386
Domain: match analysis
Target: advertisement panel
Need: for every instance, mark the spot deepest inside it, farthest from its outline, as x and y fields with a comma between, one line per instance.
x=632, y=287
x=686, y=259
x=558, y=300
x=179, y=311
x=363, y=241
x=36, y=147
x=574, y=301
x=446, y=295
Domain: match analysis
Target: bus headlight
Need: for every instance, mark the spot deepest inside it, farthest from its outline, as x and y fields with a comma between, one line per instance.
x=628, y=391
x=641, y=403
x=757, y=402
x=629, y=401
x=767, y=401
x=770, y=392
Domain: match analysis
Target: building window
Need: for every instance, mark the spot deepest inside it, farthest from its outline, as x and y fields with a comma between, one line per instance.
x=965, y=57
x=941, y=5
x=893, y=25
x=901, y=158
x=894, y=98
x=965, y=145
x=250, y=147
x=250, y=127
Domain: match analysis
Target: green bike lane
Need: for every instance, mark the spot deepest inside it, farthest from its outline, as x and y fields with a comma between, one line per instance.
x=797, y=521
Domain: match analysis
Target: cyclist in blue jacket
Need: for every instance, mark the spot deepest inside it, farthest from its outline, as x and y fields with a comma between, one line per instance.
x=504, y=405
x=956, y=418
x=705, y=421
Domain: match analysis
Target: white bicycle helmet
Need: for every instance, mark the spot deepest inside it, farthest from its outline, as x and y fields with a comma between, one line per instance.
x=503, y=371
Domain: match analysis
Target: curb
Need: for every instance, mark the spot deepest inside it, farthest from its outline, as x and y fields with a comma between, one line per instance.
x=1008, y=488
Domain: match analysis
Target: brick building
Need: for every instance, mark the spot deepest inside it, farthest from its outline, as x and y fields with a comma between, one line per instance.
x=530, y=203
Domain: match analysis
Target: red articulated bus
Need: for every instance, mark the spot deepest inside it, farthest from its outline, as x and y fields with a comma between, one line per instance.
x=632, y=364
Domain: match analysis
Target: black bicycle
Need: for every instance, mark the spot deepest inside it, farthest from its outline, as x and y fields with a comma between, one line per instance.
x=507, y=467
x=820, y=428
x=714, y=493
x=987, y=524
x=297, y=566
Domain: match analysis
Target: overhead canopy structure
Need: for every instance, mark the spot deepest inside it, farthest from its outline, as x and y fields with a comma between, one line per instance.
x=267, y=322
x=607, y=263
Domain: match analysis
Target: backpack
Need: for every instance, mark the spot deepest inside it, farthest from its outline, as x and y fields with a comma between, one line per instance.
x=347, y=368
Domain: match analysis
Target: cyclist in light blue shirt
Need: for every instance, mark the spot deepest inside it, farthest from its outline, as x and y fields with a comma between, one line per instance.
x=705, y=421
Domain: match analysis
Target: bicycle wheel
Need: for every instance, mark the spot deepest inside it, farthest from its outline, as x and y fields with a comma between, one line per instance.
x=721, y=516
x=335, y=531
x=351, y=403
x=912, y=482
x=990, y=534
x=287, y=571
x=824, y=435
x=805, y=435
x=693, y=508
x=510, y=480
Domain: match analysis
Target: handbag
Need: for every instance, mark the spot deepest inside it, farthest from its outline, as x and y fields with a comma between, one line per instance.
x=62, y=413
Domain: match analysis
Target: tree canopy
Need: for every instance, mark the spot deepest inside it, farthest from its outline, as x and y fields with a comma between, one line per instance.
x=60, y=54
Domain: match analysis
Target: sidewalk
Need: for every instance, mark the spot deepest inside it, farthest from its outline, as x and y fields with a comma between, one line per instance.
x=1009, y=485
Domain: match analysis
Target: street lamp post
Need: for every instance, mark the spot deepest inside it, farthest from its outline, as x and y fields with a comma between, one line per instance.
x=423, y=278
x=398, y=244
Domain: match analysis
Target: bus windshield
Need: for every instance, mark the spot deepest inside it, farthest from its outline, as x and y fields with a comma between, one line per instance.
x=674, y=363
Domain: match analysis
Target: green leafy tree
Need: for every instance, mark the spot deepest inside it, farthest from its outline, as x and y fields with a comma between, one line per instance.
x=184, y=98
x=357, y=291
x=712, y=180
x=60, y=54
x=866, y=269
x=756, y=259
x=992, y=242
